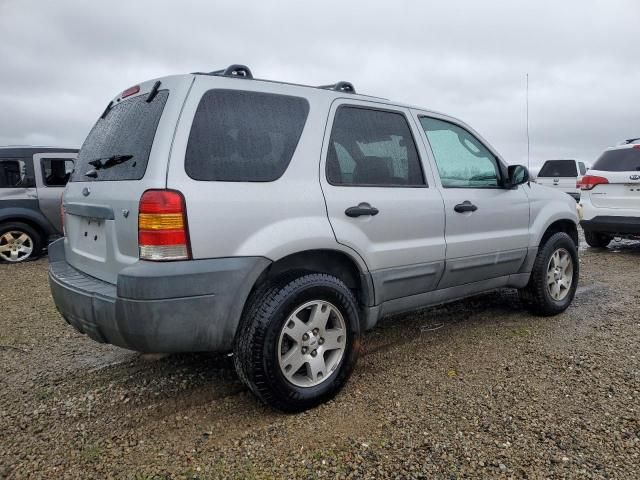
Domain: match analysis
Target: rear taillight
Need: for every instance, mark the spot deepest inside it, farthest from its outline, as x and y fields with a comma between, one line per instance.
x=163, y=233
x=588, y=182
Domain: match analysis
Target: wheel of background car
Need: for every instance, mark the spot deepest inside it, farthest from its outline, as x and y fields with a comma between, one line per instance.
x=554, y=277
x=298, y=341
x=18, y=242
x=597, y=240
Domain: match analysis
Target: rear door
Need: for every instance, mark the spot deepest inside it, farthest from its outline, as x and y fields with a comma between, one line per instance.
x=101, y=199
x=380, y=199
x=621, y=167
x=487, y=225
x=52, y=172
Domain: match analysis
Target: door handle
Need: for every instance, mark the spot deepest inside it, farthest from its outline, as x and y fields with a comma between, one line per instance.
x=465, y=206
x=362, y=209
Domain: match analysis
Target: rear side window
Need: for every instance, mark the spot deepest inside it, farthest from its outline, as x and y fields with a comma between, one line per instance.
x=558, y=168
x=240, y=136
x=623, y=160
x=13, y=174
x=56, y=171
x=127, y=130
x=372, y=148
x=582, y=168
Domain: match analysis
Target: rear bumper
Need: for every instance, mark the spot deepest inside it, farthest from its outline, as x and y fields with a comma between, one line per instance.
x=612, y=224
x=157, y=307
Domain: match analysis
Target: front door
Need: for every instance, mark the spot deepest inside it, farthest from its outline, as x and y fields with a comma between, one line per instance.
x=380, y=200
x=487, y=225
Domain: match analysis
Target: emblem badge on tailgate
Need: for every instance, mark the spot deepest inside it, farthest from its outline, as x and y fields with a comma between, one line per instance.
x=634, y=177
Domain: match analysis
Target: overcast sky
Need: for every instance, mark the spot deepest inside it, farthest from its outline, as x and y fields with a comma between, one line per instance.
x=61, y=61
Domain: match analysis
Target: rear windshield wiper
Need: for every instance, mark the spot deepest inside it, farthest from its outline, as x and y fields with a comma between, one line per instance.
x=108, y=162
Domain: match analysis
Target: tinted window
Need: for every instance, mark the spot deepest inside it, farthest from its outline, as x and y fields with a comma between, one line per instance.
x=582, y=168
x=56, y=171
x=623, y=160
x=462, y=160
x=558, y=168
x=127, y=129
x=240, y=136
x=372, y=148
x=11, y=173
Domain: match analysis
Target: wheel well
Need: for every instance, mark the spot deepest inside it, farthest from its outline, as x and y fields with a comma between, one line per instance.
x=331, y=262
x=31, y=223
x=566, y=226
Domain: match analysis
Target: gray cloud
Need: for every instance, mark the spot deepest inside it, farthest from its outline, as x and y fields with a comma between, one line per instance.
x=61, y=61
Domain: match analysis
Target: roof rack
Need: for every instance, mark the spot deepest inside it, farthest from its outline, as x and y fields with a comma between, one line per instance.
x=630, y=140
x=242, y=71
x=341, y=86
x=235, y=70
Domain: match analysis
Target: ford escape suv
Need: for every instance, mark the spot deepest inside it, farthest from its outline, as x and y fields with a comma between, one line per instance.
x=217, y=212
x=32, y=180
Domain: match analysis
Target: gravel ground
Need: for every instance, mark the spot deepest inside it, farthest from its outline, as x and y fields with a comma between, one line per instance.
x=476, y=389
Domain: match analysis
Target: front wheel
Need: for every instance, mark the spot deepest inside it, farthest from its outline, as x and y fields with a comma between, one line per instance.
x=554, y=277
x=298, y=341
x=597, y=240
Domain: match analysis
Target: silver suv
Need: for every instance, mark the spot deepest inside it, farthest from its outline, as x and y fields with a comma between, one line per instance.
x=217, y=212
x=32, y=180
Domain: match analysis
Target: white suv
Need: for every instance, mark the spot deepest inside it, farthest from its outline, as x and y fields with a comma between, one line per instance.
x=611, y=195
x=217, y=212
x=563, y=175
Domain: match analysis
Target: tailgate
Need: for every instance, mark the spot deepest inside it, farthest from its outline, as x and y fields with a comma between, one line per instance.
x=101, y=200
x=622, y=191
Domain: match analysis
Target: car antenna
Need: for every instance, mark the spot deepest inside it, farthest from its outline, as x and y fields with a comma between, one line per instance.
x=528, y=142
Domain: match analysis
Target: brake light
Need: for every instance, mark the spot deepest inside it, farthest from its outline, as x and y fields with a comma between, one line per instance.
x=163, y=233
x=636, y=147
x=130, y=91
x=588, y=182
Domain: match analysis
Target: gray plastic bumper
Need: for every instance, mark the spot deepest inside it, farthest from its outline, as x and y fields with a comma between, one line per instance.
x=157, y=307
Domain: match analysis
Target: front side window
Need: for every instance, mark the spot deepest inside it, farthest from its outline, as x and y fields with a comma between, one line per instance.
x=372, y=148
x=241, y=136
x=462, y=160
x=56, y=171
x=12, y=174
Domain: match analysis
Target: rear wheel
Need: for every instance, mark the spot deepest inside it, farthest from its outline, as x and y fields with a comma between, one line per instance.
x=597, y=239
x=18, y=242
x=554, y=277
x=298, y=341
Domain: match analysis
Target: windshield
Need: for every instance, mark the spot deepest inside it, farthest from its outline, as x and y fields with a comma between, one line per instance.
x=623, y=160
x=127, y=130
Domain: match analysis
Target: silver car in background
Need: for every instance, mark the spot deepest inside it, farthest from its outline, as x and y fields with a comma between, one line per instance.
x=32, y=180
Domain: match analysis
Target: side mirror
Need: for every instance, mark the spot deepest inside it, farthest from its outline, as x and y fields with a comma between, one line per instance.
x=517, y=175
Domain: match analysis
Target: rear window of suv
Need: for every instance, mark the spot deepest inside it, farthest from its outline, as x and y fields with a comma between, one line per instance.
x=558, y=168
x=623, y=160
x=127, y=129
x=240, y=136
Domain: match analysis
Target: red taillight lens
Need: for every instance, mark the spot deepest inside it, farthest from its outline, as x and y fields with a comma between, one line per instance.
x=588, y=182
x=163, y=233
x=130, y=91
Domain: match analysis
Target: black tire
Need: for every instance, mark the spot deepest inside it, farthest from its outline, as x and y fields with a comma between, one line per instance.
x=256, y=345
x=35, y=239
x=597, y=239
x=536, y=295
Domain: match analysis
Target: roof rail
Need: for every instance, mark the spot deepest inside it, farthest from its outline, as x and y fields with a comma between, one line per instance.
x=235, y=70
x=341, y=86
x=630, y=140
